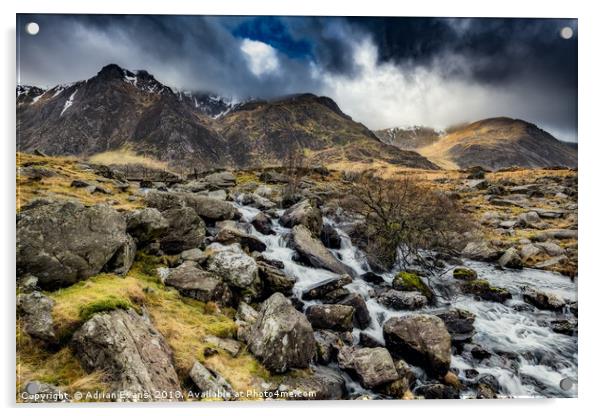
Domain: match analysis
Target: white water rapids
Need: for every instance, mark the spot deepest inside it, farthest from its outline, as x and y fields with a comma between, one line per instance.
x=529, y=359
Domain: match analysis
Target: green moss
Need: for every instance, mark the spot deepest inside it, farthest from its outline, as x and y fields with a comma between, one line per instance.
x=462, y=273
x=407, y=281
x=110, y=303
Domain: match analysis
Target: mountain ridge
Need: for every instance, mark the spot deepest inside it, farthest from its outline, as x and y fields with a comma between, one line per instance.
x=118, y=108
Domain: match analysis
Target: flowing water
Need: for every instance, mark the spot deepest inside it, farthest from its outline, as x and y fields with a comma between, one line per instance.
x=529, y=359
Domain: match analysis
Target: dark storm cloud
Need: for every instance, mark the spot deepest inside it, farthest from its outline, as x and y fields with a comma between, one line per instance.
x=382, y=71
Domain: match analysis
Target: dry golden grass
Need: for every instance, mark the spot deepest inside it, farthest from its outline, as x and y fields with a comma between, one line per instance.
x=183, y=322
x=66, y=169
x=126, y=157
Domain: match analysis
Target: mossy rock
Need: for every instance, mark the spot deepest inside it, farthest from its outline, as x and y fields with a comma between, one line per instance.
x=411, y=282
x=108, y=304
x=464, y=273
x=483, y=289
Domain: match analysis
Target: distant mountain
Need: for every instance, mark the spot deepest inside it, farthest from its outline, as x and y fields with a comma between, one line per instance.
x=122, y=109
x=409, y=138
x=267, y=130
x=499, y=143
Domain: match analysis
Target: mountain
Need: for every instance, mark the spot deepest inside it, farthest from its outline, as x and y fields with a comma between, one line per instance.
x=409, y=138
x=120, y=109
x=497, y=143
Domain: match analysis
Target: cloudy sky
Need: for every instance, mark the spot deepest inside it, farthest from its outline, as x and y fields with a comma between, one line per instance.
x=384, y=72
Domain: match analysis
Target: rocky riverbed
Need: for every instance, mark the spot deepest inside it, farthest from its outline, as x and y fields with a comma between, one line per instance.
x=221, y=283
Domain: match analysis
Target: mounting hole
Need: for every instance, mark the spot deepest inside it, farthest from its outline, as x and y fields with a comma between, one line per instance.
x=32, y=28
x=566, y=32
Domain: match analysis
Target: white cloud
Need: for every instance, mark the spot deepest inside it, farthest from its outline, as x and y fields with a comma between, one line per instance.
x=261, y=57
x=383, y=95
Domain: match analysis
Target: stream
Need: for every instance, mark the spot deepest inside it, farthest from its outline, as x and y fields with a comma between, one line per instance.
x=528, y=358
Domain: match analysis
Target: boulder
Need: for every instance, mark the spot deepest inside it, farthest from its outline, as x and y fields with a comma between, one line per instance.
x=186, y=230
x=480, y=251
x=263, y=224
x=420, y=339
x=330, y=237
x=529, y=219
x=64, y=242
x=220, y=180
x=373, y=278
x=229, y=235
x=411, y=282
x=529, y=251
x=487, y=387
x=274, y=280
x=511, y=259
x=282, y=337
x=35, y=313
x=398, y=300
x=543, y=300
x=195, y=255
x=404, y=383
x=323, y=384
x=333, y=317
x=245, y=318
x=231, y=346
x=303, y=213
x=328, y=344
x=560, y=234
x=551, y=249
x=436, y=391
x=210, y=383
x=271, y=176
x=311, y=251
x=564, y=326
x=321, y=289
x=459, y=324
x=133, y=356
x=361, y=314
x=235, y=267
x=199, y=284
x=373, y=366
x=146, y=225
x=122, y=260
x=209, y=209
x=464, y=273
x=482, y=289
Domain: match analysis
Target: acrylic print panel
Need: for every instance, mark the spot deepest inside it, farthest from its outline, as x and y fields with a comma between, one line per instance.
x=328, y=208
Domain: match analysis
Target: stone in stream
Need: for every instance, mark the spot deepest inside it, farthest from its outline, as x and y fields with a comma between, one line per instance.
x=211, y=384
x=481, y=251
x=487, y=387
x=373, y=278
x=543, y=300
x=230, y=235
x=199, y=284
x=511, y=259
x=333, y=317
x=320, y=289
x=63, y=242
x=303, y=213
x=312, y=252
x=459, y=324
x=330, y=237
x=328, y=344
x=399, y=300
x=437, y=391
x=132, y=354
x=323, y=384
x=274, y=280
x=482, y=289
x=564, y=326
x=263, y=224
x=361, y=314
x=400, y=387
x=35, y=312
x=373, y=366
x=420, y=339
x=411, y=282
x=464, y=273
x=282, y=337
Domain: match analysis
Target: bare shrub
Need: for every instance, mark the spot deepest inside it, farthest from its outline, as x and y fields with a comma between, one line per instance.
x=401, y=222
